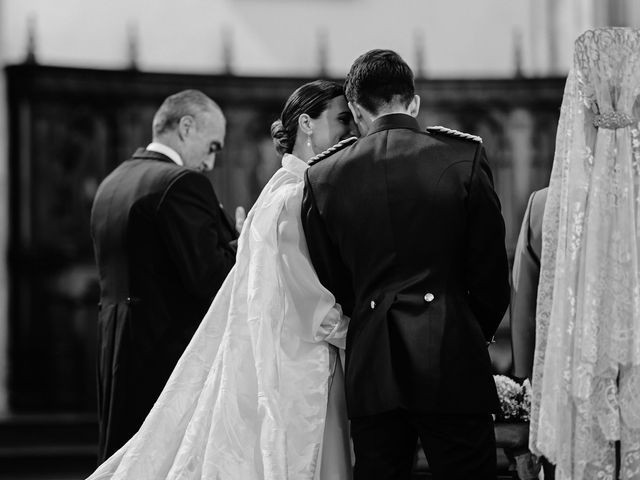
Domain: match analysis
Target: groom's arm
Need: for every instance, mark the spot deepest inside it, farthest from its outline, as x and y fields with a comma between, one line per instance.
x=324, y=254
x=487, y=265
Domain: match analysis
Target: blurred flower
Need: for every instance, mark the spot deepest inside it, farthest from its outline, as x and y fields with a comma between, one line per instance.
x=515, y=399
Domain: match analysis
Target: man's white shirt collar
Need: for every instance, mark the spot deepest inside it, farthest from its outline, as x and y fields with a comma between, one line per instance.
x=168, y=151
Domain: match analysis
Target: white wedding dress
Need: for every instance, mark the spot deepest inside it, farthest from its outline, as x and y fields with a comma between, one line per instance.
x=586, y=375
x=258, y=393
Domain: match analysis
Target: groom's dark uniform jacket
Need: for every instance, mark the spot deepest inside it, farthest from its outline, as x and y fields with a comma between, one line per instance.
x=163, y=248
x=404, y=227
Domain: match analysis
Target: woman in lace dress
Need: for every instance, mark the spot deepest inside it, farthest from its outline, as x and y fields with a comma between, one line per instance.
x=586, y=375
x=258, y=393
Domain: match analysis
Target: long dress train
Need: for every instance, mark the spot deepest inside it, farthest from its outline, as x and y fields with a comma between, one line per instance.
x=250, y=395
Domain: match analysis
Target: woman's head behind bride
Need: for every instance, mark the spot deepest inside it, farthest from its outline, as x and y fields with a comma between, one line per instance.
x=315, y=117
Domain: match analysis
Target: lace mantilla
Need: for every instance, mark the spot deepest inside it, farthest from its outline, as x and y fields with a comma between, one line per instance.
x=607, y=67
x=586, y=378
x=613, y=120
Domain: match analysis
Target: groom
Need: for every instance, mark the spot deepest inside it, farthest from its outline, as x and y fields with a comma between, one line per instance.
x=404, y=227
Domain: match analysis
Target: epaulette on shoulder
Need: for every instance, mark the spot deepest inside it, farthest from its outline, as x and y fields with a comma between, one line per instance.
x=454, y=133
x=331, y=150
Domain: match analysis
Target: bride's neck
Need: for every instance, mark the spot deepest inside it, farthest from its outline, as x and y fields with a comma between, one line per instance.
x=303, y=152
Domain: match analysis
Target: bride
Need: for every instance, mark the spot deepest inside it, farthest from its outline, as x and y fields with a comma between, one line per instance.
x=258, y=393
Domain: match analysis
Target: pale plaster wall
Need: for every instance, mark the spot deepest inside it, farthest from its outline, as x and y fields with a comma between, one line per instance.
x=272, y=37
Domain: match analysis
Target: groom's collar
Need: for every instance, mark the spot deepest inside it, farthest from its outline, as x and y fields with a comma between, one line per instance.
x=394, y=120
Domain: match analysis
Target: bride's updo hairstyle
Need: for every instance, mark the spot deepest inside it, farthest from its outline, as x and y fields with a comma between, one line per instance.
x=311, y=98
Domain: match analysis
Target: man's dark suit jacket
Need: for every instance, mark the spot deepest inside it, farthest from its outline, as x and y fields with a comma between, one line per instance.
x=162, y=245
x=404, y=227
x=524, y=293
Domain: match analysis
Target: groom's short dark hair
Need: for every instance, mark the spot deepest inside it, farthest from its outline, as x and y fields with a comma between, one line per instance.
x=378, y=78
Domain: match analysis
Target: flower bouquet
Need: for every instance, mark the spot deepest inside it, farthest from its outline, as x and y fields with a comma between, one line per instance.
x=512, y=426
x=512, y=423
x=515, y=399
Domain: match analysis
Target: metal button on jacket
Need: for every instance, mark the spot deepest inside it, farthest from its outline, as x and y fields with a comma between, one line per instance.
x=429, y=297
x=373, y=304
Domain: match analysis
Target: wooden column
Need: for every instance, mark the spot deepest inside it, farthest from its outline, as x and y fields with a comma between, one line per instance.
x=519, y=132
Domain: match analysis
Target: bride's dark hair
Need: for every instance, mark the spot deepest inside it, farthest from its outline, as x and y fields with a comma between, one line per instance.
x=311, y=98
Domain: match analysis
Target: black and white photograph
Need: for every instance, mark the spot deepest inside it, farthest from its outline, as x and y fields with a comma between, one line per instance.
x=320, y=240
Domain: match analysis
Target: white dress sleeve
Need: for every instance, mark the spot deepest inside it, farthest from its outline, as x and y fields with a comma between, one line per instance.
x=249, y=397
x=317, y=316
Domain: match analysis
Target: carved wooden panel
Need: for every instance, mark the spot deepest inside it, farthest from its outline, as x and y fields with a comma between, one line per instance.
x=71, y=127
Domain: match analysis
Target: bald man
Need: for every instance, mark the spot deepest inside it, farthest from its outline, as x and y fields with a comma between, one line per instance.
x=163, y=246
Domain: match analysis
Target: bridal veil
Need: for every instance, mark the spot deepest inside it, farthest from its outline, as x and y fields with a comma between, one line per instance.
x=586, y=376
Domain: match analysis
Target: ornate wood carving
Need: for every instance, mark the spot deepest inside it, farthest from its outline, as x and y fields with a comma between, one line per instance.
x=70, y=127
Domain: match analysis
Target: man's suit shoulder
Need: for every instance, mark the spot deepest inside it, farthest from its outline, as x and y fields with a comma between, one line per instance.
x=460, y=146
x=188, y=184
x=146, y=177
x=152, y=171
x=537, y=202
x=188, y=178
x=166, y=172
x=338, y=147
x=444, y=132
x=539, y=199
x=169, y=176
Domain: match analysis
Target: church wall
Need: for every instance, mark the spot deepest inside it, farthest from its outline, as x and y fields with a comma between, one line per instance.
x=275, y=37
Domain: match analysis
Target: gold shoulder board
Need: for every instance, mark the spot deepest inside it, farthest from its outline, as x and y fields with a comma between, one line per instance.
x=331, y=150
x=454, y=133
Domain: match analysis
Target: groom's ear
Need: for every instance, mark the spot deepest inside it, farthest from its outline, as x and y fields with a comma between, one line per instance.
x=360, y=117
x=356, y=111
x=414, y=106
